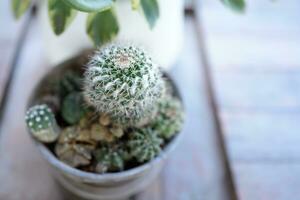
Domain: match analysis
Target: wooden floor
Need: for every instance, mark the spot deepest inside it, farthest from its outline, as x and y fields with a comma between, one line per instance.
x=240, y=81
x=255, y=64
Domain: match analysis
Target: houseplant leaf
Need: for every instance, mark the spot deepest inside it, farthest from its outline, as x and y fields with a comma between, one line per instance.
x=151, y=11
x=60, y=14
x=102, y=27
x=237, y=5
x=90, y=5
x=19, y=7
x=135, y=4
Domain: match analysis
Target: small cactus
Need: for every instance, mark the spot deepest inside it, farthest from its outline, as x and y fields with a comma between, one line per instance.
x=41, y=122
x=169, y=118
x=110, y=157
x=144, y=144
x=123, y=82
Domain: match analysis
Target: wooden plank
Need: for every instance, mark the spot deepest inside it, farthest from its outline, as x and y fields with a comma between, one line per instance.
x=268, y=181
x=207, y=74
x=273, y=91
x=23, y=172
x=261, y=17
x=262, y=52
x=262, y=136
x=266, y=37
x=10, y=39
x=196, y=170
x=256, y=67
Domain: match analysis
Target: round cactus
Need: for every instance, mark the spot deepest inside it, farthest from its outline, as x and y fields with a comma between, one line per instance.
x=169, y=118
x=123, y=82
x=41, y=122
x=144, y=144
x=110, y=157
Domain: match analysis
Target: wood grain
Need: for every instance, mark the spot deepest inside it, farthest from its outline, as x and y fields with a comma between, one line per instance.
x=268, y=181
x=262, y=91
x=255, y=65
x=261, y=136
x=264, y=38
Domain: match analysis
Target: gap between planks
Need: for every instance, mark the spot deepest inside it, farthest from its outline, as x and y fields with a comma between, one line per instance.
x=14, y=64
x=231, y=187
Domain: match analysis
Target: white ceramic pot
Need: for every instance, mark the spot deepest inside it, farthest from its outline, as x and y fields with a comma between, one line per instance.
x=164, y=42
x=79, y=184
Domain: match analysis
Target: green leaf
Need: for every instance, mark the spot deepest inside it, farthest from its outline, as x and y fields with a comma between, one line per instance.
x=102, y=27
x=61, y=15
x=73, y=108
x=135, y=4
x=19, y=7
x=236, y=5
x=151, y=11
x=90, y=5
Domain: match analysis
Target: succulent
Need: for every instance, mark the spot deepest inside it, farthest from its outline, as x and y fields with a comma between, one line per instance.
x=144, y=144
x=123, y=81
x=88, y=120
x=110, y=157
x=41, y=122
x=69, y=83
x=124, y=116
x=105, y=130
x=75, y=146
x=73, y=108
x=169, y=118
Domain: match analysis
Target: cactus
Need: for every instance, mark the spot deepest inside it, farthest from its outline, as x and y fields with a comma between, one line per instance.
x=41, y=122
x=110, y=157
x=75, y=146
x=169, y=118
x=144, y=144
x=124, y=116
x=123, y=82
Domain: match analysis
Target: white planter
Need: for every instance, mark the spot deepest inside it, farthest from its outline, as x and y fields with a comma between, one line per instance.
x=164, y=42
x=78, y=184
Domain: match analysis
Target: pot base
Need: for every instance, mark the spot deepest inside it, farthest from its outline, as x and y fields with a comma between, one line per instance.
x=109, y=191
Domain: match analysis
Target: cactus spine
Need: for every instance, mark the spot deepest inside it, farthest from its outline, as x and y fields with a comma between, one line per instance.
x=123, y=82
x=169, y=118
x=110, y=157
